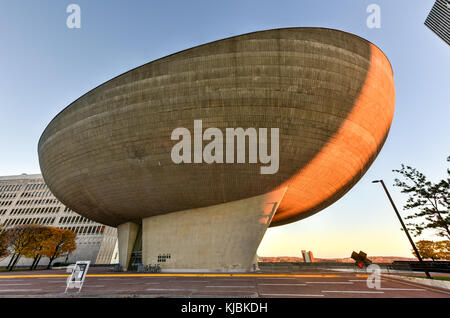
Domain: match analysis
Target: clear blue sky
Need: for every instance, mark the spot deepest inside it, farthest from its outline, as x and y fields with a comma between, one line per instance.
x=44, y=66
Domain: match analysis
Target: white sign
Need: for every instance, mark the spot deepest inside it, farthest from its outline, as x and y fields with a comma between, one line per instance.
x=76, y=279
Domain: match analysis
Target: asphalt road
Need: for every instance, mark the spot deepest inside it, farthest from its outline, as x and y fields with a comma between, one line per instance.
x=317, y=284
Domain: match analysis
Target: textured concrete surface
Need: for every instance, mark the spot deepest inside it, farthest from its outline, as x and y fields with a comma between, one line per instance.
x=222, y=237
x=126, y=235
x=330, y=93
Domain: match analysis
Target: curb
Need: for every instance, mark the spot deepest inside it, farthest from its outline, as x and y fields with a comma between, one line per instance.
x=423, y=281
x=99, y=295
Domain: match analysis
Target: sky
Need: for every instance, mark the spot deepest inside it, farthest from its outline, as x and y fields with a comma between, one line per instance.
x=44, y=66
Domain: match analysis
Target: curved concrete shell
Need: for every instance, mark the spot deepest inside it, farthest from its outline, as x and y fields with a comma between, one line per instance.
x=330, y=93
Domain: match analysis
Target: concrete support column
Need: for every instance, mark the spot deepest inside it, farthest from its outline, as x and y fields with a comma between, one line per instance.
x=126, y=233
x=222, y=237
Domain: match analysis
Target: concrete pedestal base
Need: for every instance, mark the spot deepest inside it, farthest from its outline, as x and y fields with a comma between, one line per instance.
x=222, y=237
x=126, y=234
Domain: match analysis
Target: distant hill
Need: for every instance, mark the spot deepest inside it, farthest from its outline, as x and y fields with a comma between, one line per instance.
x=294, y=259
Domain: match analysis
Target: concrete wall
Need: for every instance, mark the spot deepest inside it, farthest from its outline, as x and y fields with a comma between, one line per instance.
x=222, y=237
x=126, y=234
x=107, y=247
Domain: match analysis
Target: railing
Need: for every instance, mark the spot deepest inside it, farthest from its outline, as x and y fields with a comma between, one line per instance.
x=431, y=266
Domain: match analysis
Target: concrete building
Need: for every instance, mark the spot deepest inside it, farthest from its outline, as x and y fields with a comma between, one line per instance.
x=307, y=256
x=25, y=199
x=109, y=155
x=438, y=20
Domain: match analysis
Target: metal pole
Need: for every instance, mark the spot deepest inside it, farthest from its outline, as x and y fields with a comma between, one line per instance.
x=404, y=228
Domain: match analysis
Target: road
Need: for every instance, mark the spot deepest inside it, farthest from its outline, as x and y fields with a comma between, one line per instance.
x=317, y=284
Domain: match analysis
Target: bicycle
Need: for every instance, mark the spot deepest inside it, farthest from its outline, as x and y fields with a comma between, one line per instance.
x=152, y=268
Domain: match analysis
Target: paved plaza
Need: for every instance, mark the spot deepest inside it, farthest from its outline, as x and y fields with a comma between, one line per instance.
x=316, y=284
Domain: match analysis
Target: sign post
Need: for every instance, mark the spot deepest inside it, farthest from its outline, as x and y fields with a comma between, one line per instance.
x=76, y=279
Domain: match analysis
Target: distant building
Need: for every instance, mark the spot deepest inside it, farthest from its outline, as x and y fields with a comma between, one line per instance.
x=438, y=19
x=25, y=199
x=307, y=256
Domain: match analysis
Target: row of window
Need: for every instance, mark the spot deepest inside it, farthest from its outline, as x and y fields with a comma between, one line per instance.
x=43, y=221
x=162, y=258
x=36, y=186
x=50, y=209
x=41, y=201
x=10, y=187
x=5, y=203
x=86, y=230
x=74, y=219
x=7, y=195
x=37, y=194
x=3, y=211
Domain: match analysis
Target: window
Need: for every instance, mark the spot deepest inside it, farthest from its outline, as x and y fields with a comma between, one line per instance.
x=162, y=258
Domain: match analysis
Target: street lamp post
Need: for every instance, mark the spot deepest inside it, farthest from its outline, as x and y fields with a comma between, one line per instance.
x=404, y=227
